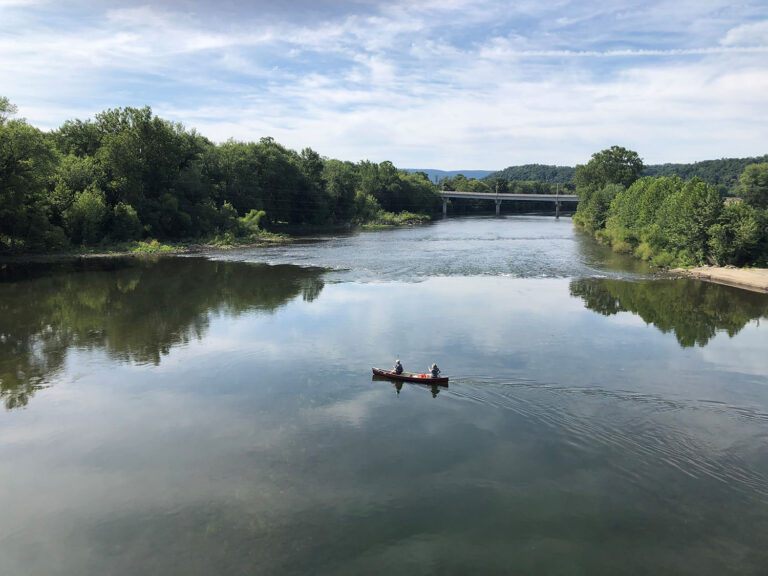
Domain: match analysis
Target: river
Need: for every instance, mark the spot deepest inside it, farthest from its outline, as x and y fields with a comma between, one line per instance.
x=216, y=414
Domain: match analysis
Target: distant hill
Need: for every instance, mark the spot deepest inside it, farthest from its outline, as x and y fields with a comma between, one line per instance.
x=440, y=174
x=535, y=173
x=724, y=172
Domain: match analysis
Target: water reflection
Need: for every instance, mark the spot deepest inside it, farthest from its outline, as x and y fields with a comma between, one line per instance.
x=398, y=386
x=693, y=310
x=134, y=310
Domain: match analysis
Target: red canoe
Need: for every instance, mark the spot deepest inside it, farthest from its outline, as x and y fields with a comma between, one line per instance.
x=410, y=377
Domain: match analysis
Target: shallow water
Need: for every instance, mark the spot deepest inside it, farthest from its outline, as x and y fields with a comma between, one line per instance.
x=218, y=416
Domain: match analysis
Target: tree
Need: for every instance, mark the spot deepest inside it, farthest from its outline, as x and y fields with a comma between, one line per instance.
x=594, y=213
x=6, y=110
x=753, y=185
x=125, y=224
x=27, y=164
x=735, y=237
x=85, y=218
x=341, y=180
x=684, y=220
x=615, y=165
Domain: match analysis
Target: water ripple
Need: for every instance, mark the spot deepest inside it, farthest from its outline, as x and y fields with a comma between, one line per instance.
x=645, y=429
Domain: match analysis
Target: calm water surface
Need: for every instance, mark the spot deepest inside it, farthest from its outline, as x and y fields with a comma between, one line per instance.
x=217, y=415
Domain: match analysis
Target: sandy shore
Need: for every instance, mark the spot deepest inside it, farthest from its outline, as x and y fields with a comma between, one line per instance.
x=749, y=278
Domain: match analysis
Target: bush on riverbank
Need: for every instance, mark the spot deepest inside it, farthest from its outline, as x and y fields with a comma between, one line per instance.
x=400, y=219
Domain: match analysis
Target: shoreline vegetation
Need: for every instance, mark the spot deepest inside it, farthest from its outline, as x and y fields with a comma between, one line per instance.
x=151, y=246
x=128, y=180
x=669, y=222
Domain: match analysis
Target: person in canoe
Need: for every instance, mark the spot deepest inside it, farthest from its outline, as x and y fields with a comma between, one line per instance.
x=397, y=368
x=435, y=371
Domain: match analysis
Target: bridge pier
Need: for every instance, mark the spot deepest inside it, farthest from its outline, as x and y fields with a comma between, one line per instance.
x=498, y=206
x=557, y=210
x=445, y=207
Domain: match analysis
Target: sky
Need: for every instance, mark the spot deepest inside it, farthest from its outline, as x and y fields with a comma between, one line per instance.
x=444, y=84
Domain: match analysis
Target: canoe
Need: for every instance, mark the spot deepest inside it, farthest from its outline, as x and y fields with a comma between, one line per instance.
x=410, y=377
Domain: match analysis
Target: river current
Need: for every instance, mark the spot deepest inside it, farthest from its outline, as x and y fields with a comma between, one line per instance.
x=216, y=414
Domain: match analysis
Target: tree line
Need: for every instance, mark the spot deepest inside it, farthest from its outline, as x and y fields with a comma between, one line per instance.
x=670, y=221
x=461, y=183
x=724, y=172
x=128, y=174
x=534, y=173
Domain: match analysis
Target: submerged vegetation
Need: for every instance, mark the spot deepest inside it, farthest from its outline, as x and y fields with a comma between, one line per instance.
x=668, y=221
x=128, y=176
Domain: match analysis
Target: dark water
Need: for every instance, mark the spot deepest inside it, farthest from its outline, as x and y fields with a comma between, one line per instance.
x=217, y=415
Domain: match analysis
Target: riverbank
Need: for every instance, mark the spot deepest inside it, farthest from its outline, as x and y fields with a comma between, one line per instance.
x=141, y=248
x=755, y=279
x=281, y=234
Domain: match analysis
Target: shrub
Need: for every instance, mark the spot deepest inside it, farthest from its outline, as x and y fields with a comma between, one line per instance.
x=663, y=259
x=622, y=247
x=250, y=224
x=644, y=251
x=125, y=223
x=151, y=247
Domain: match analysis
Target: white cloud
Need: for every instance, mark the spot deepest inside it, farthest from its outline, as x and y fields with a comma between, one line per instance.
x=755, y=34
x=470, y=82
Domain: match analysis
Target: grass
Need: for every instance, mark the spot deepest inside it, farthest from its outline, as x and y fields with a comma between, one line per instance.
x=390, y=219
x=152, y=247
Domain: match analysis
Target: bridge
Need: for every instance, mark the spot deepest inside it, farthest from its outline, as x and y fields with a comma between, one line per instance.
x=498, y=198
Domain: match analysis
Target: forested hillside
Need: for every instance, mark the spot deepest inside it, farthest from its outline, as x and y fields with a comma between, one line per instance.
x=438, y=175
x=534, y=173
x=724, y=173
x=128, y=174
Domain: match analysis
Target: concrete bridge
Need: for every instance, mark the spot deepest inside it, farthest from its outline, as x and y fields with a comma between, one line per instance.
x=498, y=198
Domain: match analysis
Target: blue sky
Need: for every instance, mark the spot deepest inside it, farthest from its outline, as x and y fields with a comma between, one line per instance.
x=449, y=84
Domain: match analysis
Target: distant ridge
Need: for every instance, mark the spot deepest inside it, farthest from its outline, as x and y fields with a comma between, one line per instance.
x=535, y=173
x=440, y=174
x=724, y=172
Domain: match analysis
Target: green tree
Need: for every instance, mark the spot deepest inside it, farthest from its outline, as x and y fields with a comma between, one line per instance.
x=84, y=220
x=594, y=214
x=684, y=220
x=736, y=236
x=27, y=164
x=125, y=223
x=6, y=110
x=753, y=185
x=614, y=165
x=341, y=180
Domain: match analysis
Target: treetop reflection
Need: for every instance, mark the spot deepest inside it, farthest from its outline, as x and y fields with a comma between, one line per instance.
x=694, y=310
x=135, y=310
